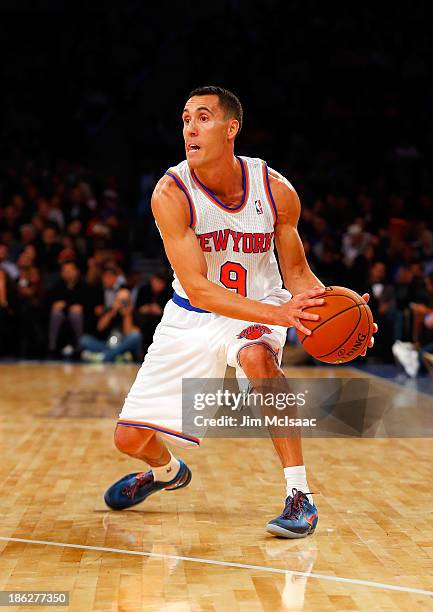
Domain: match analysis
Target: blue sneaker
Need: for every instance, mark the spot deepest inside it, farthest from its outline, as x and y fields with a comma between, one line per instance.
x=134, y=488
x=298, y=519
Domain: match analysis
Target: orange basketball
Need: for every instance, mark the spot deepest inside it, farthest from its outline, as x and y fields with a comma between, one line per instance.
x=343, y=330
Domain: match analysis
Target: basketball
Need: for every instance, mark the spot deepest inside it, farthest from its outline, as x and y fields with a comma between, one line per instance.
x=343, y=330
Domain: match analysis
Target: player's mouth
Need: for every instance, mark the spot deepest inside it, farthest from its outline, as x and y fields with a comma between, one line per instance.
x=192, y=148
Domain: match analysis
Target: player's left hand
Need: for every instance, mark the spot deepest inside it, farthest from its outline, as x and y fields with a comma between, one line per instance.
x=370, y=344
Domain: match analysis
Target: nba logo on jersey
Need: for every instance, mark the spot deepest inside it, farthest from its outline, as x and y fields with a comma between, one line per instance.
x=259, y=208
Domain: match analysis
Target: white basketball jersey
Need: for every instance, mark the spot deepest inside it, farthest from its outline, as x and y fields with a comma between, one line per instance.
x=238, y=243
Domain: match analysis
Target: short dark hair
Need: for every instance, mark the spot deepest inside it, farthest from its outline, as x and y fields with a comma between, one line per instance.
x=111, y=268
x=68, y=262
x=228, y=101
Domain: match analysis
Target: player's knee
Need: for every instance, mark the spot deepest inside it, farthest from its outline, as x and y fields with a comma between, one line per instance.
x=258, y=361
x=132, y=440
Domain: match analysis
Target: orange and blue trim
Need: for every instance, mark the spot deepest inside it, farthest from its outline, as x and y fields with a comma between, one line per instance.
x=215, y=200
x=269, y=195
x=181, y=185
x=165, y=430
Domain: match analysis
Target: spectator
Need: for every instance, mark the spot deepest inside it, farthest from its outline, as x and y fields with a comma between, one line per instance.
x=9, y=220
x=360, y=269
x=382, y=303
x=76, y=205
x=151, y=299
x=28, y=256
x=426, y=351
x=403, y=295
x=7, y=313
x=55, y=213
x=117, y=336
x=78, y=242
x=355, y=240
x=68, y=300
x=94, y=272
x=49, y=249
x=27, y=235
x=411, y=355
x=8, y=266
x=112, y=280
x=30, y=313
x=330, y=268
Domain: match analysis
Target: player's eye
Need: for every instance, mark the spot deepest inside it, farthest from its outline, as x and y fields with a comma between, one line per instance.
x=186, y=120
x=204, y=118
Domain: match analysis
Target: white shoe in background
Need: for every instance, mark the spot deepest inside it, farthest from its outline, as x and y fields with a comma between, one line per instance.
x=407, y=355
x=92, y=357
x=67, y=350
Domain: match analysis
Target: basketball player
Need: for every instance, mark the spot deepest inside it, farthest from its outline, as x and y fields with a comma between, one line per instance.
x=219, y=216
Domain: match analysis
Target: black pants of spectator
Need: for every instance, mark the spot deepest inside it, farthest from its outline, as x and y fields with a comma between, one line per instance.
x=31, y=331
x=383, y=341
x=6, y=329
x=57, y=319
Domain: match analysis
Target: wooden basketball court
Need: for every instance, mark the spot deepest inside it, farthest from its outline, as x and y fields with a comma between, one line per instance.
x=204, y=547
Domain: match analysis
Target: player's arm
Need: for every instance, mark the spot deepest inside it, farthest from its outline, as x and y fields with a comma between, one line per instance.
x=297, y=274
x=170, y=209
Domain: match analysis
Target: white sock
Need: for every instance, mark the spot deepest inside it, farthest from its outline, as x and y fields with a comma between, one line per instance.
x=165, y=473
x=296, y=478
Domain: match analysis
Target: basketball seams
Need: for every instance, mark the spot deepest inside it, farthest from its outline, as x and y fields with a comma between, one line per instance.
x=325, y=337
x=350, y=334
x=335, y=315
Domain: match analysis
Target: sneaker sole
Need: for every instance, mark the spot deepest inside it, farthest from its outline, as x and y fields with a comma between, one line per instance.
x=285, y=533
x=175, y=487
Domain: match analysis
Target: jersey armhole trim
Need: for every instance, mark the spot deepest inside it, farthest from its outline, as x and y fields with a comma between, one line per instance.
x=269, y=195
x=181, y=185
x=212, y=197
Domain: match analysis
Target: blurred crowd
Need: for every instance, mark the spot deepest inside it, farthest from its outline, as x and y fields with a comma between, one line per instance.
x=383, y=246
x=68, y=286
x=344, y=110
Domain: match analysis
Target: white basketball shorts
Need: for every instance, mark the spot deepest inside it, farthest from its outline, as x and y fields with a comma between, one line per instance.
x=191, y=344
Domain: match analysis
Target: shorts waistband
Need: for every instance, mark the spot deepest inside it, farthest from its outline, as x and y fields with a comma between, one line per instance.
x=184, y=303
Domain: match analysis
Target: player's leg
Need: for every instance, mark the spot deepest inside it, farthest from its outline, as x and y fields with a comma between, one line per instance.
x=147, y=445
x=152, y=412
x=57, y=317
x=144, y=444
x=260, y=363
x=76, y=321
x=167, y=472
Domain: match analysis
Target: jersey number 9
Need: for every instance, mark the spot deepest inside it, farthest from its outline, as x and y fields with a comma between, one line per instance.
x=234, y=276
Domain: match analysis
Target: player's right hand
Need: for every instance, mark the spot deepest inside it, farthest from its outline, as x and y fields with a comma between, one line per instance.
x=293, y=310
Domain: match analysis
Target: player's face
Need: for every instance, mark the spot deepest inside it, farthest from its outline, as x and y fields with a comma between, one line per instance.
x=206, y=130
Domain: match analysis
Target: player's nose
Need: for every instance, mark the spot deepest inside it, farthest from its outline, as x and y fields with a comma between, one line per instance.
x=191, y=129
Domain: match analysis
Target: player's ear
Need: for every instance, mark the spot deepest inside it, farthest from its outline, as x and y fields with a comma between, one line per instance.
x=233, y=129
